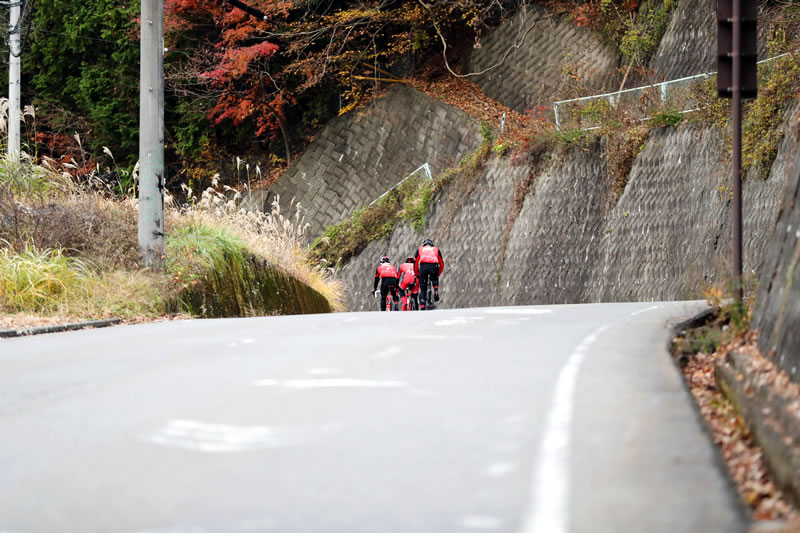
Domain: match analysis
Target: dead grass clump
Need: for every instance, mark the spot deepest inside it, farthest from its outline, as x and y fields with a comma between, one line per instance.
x=272, y=236
x=81, y=223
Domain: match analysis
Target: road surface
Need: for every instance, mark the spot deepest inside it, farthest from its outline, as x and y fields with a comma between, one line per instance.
x=517, y=419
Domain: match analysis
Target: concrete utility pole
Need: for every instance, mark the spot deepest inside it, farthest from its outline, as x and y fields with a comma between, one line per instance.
x=14, y=84
x=151, y=135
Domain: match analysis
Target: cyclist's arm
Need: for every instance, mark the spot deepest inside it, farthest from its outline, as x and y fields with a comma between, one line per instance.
x=441, y=263
x=377, y=278
x=416, y=263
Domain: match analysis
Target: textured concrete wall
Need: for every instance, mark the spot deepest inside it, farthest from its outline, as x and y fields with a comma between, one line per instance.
x=357, y=157
x=533, y=74
x=777, y=312
x=666, y=238
x=690, y=44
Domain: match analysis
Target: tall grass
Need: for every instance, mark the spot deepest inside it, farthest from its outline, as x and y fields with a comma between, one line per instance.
x=196, y=247
x=40, y=280
x=71, y=249
x=26, y=179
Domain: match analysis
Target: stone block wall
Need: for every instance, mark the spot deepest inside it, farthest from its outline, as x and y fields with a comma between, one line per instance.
x=665, y=238
x=777, y=312
x=359, y=156
x=690, y=44
x=533, y=74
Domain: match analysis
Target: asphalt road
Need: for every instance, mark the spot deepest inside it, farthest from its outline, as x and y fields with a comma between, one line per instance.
x=524, y=419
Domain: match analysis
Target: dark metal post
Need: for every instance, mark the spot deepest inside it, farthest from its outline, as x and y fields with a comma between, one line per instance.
x=736, y=75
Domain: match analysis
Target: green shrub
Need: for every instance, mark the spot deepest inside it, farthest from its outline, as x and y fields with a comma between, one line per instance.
x=192, y=250
x=670, y=118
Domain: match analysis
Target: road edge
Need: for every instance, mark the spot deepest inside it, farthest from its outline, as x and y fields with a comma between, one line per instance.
x=56, y=328
x=693, y=321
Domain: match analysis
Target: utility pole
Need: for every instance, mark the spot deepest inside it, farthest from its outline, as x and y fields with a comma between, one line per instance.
x=14, y=84
x=151, y=135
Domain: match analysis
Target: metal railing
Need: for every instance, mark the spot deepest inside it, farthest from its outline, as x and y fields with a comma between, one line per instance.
x=424, y=167
x=664, y=88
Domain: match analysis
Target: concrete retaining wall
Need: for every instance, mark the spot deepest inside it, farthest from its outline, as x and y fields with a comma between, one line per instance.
x=777, y=312
x=358, y=156
x=666, y=238
x=533, y=74
x=690, y=44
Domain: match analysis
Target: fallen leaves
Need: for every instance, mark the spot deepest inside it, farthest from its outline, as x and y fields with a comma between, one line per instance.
x=737, y=447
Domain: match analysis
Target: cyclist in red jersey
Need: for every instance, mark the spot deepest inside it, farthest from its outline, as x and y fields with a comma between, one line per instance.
x=387, y=275
x=428, y=265
x=407, y=281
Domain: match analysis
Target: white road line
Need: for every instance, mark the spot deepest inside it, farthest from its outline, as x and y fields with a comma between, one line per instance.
x=220, y=438
x=549, y=510
x=518, y=311
x=386, y=353
x=324, y=371
x=500, y=469
x=481, y=522
x=332, y=383
x=640, y=311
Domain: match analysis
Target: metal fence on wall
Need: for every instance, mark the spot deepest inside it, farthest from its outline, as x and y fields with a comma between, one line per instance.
x=573, y=112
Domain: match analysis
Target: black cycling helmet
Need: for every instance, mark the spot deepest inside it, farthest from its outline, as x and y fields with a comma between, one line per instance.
x=427, y=242
x=409, y=259
x=385, y=259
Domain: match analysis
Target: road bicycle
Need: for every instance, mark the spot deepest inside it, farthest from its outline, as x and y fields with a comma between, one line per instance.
x=390, y=305
x=412, y=302
x=430, y=303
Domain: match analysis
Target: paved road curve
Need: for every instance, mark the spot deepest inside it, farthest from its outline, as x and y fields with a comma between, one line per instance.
x=545, y=419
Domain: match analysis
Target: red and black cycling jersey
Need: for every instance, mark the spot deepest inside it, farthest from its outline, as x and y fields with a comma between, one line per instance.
x=406, y=276
x=429, y=255
x=385, y=271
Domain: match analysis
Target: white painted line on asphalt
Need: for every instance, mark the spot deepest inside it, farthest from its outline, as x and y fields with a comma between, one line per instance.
x=324, y=371
x=500, y=469
x=446, y=337
x=640, y=311
x=457, y=321
x=220, y=438
x=351, y=319
x=517, y=311
x=332, y=383
x=481, y=522
x=549, y=505
x=549, y=510
x=386, y=353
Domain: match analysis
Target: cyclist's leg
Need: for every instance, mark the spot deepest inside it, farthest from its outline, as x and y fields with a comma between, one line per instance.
x=423, y=286
x=435, y=282
x=403, y=299
x=395, y=297
x=382, y=301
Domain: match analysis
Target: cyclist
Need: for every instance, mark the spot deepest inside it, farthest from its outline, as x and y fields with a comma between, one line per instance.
x=407, y=281
x=387, y=275
x=428, y=265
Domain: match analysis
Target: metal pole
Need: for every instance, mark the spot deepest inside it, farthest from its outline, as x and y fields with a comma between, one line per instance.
x=151, y=135
x=736, y=79
x=14, y=99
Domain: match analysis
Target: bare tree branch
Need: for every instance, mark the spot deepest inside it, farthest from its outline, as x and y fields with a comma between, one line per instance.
x=517, y=42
